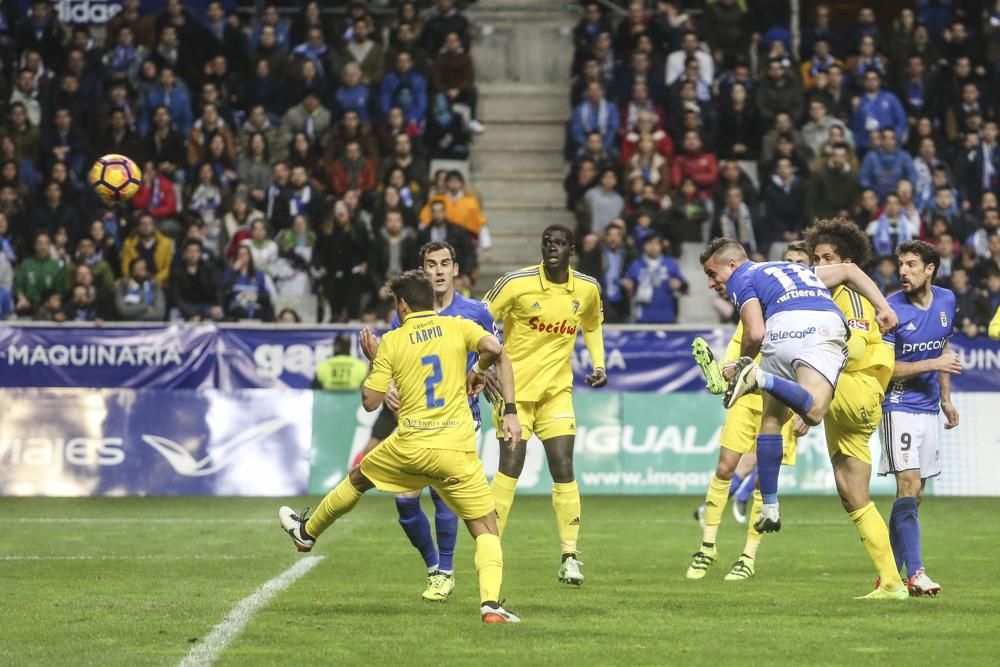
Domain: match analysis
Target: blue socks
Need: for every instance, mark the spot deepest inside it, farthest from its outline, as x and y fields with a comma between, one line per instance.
x=418, y=529
x=746, y=489
x=734, y=485
x=904, y=515
x=769, y=452
x=897, y=547
x=788, y=392
x=446, y=526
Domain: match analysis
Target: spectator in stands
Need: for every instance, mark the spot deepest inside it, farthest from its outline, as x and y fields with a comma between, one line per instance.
x=784, y=126
x=735, y=219
x=971, y=305
x=727, y=31
x=156, y=196
x=395, y=250
x=816, y=132
x=815, y=69
x=64, y=142
x=406, y=88
x=172, y=96
x=461, y=208
x=101, y=276
x=739, y=127
x=315, y=50
x=885, y=166
x=639, y=71
x=37, y=274
x=363, y=51
x=447, y=136
x=303, y=197
x=453, y=74
x=612, y=256
x=876, y=109
x=833, y=189
x=148, y=243
x=784, y=204
x=413, y=166
x=245, y=288
x=308, y=116
x=352, y=171
x=236, y=224
x=341, y=259
x=269, y=18
x=594, y=114
x=87, y=302
x=354, y=94
x=653, y=281
x=649, y=166
x=779, y=91
x=697, y=164
x=591, y=24
x=820, y=29
x=445, y=19
x=41, y=31
x=405, y=39
x=50, y=308
x=979, y=240
x=204, y=198
x=689, y=48
x=138, y=297
x=687, y=215
x=347, y=129
x=263, y=249
x=891, y=228
x=52, y=212
x=601, y=204
x=646, y=124
x=441, y=229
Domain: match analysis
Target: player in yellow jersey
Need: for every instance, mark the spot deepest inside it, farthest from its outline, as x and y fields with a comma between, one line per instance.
x=435, y=442
x=856, y=409
x=542, y=309
x=737, y=457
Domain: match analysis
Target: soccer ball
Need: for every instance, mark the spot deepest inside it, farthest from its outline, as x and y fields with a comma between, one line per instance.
x=115, y=178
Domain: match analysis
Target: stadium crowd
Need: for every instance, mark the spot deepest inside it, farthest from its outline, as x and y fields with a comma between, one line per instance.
x=279, y=159
x=696, y=119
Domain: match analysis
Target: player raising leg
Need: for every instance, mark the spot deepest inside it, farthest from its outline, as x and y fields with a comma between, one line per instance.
x=542, y=309
x=855, y=412
x=735, y=470
x=435, y=443
x=789, y=317
x=919, y=390
x=438, y=263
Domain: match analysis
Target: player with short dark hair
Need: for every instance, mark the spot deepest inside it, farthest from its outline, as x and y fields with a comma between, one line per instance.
x=438, y=263
x=789, y=317
x=736, y=471
x=426, y=358
x=855, y=412
x=542, y=308
x=920, y=389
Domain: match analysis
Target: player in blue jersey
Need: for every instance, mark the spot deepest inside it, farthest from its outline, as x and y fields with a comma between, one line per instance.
x=438, y=260
x=788, y=317
x=920, y=388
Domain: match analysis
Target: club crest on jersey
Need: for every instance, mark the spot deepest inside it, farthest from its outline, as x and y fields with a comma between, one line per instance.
x=536, y=306
x=576, y=306
x=944, y=318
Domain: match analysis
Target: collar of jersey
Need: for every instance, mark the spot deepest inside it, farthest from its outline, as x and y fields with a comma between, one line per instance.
x=547, y=284
x=417, y=314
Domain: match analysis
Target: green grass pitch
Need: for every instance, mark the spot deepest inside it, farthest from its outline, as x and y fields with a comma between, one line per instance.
x=140, y=581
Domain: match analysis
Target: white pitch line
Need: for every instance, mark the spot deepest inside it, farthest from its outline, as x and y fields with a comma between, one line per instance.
x=208, y=649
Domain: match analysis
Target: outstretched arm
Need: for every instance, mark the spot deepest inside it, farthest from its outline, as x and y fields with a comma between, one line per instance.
x=851, y=275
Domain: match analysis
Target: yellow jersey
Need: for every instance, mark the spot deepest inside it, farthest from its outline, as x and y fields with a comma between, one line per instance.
x=341, y=372
x=754, y=400
x=994, y=329
x=866, y=352
x=540, y=323
x=426, y=357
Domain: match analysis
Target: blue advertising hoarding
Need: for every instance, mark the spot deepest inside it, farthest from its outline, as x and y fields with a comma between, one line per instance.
x=208, y=356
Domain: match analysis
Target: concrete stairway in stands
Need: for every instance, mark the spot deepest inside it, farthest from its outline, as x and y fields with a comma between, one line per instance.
x=522, y=53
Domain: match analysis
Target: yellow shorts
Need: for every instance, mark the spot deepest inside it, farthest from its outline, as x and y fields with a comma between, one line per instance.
x=456, y=475
x=854, y=414
x=549, y=417
x=739, y=432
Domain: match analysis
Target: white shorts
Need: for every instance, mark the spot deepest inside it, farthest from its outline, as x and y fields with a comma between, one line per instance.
x=817, y=339
x=910, y=441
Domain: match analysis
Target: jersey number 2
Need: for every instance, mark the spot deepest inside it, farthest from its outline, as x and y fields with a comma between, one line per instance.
x=433, y=380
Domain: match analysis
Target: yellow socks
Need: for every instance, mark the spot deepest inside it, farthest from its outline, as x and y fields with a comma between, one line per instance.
x=753, y=537
x=875, y=537
x=489, y=567
x=337, y=503
x=715, y=503
x=566, y=503
x=503, y=495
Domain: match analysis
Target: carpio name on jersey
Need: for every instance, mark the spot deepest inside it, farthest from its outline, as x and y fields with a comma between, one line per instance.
x=426, y=334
